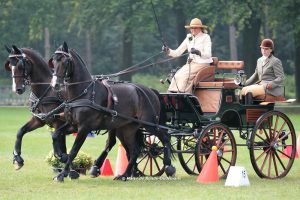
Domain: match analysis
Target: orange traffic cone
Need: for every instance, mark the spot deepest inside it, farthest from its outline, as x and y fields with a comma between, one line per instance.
x=298, y=144
x=288, y=151
x=209, y=172
x=122, y=161
x=106, y=169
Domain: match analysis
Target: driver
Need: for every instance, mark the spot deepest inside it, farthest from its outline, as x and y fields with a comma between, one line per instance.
x=198, y=44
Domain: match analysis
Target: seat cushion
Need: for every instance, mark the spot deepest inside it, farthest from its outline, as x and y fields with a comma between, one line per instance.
x=270, y=98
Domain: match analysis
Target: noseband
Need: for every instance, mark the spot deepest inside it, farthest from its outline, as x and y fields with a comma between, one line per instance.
x=21, y=58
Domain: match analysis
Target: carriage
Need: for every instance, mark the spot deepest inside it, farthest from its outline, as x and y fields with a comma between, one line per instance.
x=213, y=116
x=194, y=123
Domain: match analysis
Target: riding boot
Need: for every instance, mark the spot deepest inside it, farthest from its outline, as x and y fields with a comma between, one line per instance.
x=249, y=98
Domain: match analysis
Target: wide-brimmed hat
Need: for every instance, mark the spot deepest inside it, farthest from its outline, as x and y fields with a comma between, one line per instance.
x=267, y=43
x=195, y=23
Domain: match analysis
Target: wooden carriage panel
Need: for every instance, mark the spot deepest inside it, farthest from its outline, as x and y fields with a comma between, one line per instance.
x=209, y=99
x=252, y=115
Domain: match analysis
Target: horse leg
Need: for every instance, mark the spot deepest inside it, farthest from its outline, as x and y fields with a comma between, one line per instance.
x=81, y=137
x=110, y=142
x=166, y=141
x=59, y=144
x=31, y=125
x=131, y=141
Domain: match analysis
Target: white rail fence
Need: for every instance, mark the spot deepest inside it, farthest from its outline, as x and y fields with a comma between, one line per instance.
x=9, y=98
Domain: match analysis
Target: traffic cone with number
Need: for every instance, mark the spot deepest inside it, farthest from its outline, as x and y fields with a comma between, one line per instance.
x=209, y=172
x=106, y=169
x=122, y=161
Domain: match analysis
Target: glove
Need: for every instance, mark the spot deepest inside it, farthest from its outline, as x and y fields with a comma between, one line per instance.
x=195, y=51
x=165, y=49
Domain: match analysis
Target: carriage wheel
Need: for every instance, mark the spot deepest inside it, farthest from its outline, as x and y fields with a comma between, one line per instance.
x=273, y=145
x=219, y=135
x=186, y=154
x=150, y=162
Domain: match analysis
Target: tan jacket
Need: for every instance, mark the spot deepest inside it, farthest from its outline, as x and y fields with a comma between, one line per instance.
x=201, y=42
x=271, y=72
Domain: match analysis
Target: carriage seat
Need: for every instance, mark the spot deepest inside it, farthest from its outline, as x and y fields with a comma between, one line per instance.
x=269, y=98
x=209, y=92
x=206, y=73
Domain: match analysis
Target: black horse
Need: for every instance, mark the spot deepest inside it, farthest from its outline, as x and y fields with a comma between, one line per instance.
x=28, y=67
x=90, y=108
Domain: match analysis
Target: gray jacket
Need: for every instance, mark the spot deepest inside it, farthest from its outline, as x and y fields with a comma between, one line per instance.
x=269, y=73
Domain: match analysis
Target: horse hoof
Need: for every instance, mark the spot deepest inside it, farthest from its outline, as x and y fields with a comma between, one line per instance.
x=74, y=175
x=18, y=166
x=18, y=162
x=170, y=170
x=95, y=171
x=59, y=179
x=121, y=178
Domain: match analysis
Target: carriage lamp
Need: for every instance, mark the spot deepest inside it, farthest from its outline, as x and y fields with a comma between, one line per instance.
x=240, y=78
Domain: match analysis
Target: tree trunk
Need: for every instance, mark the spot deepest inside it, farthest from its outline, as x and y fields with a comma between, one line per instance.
x=88, y=50
x=127, y=51
x=180, y=30
x=297, y=61
x=232, y=43
x=47, y=43
x=251, y=44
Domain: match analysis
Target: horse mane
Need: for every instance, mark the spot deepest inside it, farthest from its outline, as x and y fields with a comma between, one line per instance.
x=73, y=52
x=36, y=57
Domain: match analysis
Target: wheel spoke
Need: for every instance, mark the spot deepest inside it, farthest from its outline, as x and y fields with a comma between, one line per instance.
x=264, y=161
x=222, y=158
x=222, y=168
x=280, y=161
x=220, y=138
x=275, y=164
x=189, y=158
x=264, y=152
x=262, y=139
x=156, y=164
x=146, y=154
x=270, y=161
x=145, y=165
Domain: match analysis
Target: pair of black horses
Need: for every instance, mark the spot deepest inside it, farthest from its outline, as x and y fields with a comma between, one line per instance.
x=86, y=106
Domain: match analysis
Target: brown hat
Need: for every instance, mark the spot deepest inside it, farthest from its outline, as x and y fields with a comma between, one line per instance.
x=195, y=23
x=267, y=43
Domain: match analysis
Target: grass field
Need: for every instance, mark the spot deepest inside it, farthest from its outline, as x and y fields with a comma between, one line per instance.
x=34, y=180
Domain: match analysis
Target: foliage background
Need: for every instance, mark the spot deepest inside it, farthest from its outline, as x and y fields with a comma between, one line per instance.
x=114, y=34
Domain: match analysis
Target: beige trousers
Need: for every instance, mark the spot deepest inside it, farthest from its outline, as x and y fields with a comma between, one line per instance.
x=182, y=81
x=256, y=90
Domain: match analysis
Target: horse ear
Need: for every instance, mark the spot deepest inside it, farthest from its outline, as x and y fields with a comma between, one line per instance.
x=65, y=47
x=7, y=66
x=50, y=63
x=7, y=49
x=16, y=49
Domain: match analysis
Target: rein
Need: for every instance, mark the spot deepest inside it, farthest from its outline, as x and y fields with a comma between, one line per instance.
x=136, y=67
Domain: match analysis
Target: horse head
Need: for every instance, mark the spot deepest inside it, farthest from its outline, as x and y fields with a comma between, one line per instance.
x=19, y=65
x=62, y=65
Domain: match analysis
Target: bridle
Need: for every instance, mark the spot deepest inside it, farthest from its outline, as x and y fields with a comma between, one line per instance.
x=67, y=64
x=21, y=58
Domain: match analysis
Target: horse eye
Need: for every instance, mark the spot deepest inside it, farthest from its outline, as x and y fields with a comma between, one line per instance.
x=13, y=62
